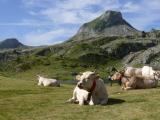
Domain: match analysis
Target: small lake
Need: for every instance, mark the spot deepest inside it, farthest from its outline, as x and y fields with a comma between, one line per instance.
x=74, y=82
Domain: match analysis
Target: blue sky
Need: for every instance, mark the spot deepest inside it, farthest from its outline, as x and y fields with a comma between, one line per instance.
x=45, y=22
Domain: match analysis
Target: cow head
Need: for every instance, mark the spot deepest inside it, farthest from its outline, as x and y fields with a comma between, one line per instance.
x=117, y=75
x=87, y=79
x=157, y=75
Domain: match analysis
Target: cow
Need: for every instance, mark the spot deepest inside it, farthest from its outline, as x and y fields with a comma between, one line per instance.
x=135, y=82
x=91, y=82
x=47, y=82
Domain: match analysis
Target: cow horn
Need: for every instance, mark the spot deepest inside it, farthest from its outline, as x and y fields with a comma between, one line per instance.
x=80, y=73
x=38, y=75
x=95, y=72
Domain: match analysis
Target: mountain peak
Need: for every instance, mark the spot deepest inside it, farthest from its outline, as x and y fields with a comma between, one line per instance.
x=14, y=40
x=10, y=43
x=110, y=23
x=111, y=14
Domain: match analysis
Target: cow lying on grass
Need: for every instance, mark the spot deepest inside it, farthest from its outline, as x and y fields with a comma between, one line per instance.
x=145, y=71
x=135, y=82
x=48, y=82
x=91, y=89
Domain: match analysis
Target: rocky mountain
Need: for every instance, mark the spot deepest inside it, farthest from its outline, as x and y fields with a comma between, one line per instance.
x=11, y=43
x=111, y=23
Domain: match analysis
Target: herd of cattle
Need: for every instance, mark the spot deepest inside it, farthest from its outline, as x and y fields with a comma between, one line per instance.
x=90, y=88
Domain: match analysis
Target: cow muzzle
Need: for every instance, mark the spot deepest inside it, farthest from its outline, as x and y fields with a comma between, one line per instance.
x=80, y=85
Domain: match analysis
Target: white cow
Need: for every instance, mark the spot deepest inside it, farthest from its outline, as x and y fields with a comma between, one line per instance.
x=90, y=82
x=47, y=82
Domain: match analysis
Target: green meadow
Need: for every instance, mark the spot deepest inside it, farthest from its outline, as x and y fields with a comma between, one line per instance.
x=22, y=99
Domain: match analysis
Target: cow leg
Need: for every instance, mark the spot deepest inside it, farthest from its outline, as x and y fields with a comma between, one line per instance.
x=110, y=82
x=123, y=86
x=104, y=102
x=127, y=86
x=74, y=98
x=40, y=83
x=81, y=102
x=91, y=102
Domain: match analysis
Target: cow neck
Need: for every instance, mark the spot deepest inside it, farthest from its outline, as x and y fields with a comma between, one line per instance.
x=93, y=86
x=120, y=78
x=91, y=90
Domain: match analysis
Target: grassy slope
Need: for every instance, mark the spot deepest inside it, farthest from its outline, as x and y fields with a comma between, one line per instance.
x=58, y=71
x=51, y=66
x=80, y=57
x=22, y=99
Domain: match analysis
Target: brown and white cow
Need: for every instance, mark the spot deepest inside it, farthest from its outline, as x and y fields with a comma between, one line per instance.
x=135, y=82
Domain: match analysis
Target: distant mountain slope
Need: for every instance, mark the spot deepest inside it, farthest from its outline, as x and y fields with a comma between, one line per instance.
x=93, y=47
x=111, y=23
x=11, y=43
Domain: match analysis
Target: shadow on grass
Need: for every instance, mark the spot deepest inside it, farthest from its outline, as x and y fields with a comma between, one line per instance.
x=112, y=101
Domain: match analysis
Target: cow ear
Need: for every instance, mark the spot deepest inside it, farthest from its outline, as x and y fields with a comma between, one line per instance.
x=121, y=72
x=97, y=76
x=95, y=71
x=80, y=73
x=78, y=77
x=38, y=76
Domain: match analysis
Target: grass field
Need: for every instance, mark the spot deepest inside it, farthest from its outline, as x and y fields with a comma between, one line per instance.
x=22, y=99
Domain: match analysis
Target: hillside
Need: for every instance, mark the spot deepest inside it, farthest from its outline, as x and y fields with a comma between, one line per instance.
x=98, y=52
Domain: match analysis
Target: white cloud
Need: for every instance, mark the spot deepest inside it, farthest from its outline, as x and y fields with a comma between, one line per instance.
x=35, y=3
x=77, y=4
x=27, y=22
x=153, y=5
x=143, y=14
x=61, y=16
x=71, y=11
x=40, y=37
x=130, y=7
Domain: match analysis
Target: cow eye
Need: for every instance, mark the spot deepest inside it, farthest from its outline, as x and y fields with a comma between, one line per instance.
x=83, y=80
x=87, y=79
